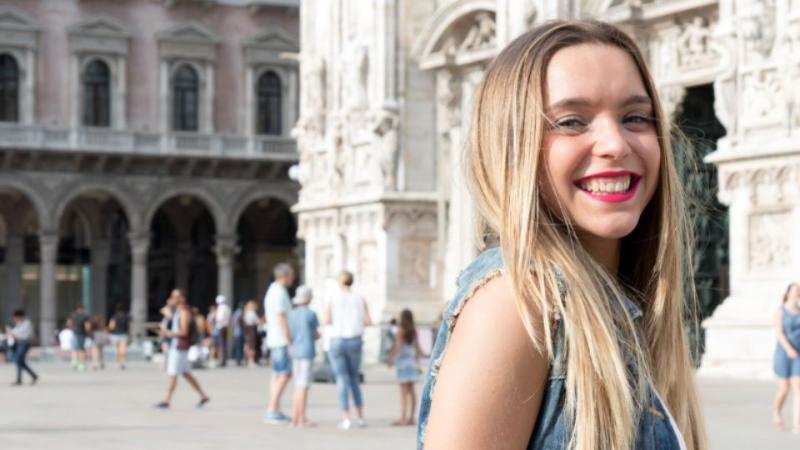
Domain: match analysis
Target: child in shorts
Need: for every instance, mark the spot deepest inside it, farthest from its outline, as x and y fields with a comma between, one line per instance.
x=303, y=328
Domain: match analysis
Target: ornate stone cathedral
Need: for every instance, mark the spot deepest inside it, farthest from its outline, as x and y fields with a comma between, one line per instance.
x=384, y=105
x=144, y=145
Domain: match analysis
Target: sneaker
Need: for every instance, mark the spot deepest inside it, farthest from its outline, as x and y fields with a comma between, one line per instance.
x=345, y=424
x=360, y=423
x=202, y=402
x=276, y=418
x=161, y=405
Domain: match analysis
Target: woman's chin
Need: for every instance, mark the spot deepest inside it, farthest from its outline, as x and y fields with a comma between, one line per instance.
x=615, y=230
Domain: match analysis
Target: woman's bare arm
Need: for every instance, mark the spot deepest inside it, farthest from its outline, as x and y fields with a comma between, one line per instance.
x=367, y=318
x=782, y=337
x=326, y=315
x=491, y=381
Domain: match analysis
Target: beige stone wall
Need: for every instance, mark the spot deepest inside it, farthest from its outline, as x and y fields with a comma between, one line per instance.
x=144, y=19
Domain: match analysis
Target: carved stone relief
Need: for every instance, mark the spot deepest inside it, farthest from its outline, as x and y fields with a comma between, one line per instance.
x=695, y=45
x=756, y=27
x=768, y=248
x=481, y=34
x=324, y=262
x=367, y=264
x=762, y=92
x=415, y=263
x=793, y=79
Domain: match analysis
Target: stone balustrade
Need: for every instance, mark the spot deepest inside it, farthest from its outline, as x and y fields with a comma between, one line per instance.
x=126, y=141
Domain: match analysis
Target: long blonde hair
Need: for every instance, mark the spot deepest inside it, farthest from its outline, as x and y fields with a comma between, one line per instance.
x=603, y=397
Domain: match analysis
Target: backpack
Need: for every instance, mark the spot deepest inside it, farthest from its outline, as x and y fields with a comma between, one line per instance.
x=185, y=342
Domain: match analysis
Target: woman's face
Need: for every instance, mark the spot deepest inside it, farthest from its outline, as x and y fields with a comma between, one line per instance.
x=794, y=293
x=601, y=150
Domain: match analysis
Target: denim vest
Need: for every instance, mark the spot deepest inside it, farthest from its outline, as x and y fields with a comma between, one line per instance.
x=550, y=431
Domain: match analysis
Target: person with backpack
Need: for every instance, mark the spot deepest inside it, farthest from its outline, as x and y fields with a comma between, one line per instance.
x=181, y=334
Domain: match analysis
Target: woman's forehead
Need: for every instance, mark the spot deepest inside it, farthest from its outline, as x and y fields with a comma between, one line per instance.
x=591, y=74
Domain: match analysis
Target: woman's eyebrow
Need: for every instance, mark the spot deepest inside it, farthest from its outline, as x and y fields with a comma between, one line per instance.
x=583, y=102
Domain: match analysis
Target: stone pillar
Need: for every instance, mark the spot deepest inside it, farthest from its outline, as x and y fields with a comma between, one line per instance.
x=48, y=250
x=140, y=244
x=12, y=280
x=101, y=253
x=225, y=249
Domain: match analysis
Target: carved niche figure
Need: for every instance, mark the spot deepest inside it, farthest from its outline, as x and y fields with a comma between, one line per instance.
x=355, y=73
x=448, y=99
x=530, y=14
x=482, y=33
x=314, y=89
x=385, y=125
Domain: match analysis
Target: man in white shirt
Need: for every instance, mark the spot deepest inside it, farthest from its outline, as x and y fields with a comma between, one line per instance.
x=277, y=306
x=223, y=320
x=22, y=333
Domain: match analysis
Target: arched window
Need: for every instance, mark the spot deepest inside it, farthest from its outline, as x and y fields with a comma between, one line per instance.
x=269, y=103
x=185, y=99
x=9, y=88
x=97, y=94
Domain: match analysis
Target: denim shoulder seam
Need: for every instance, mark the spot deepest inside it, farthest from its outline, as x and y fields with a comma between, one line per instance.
x=459, y=307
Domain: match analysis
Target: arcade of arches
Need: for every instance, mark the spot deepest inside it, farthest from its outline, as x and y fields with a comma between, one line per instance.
x=95, y=257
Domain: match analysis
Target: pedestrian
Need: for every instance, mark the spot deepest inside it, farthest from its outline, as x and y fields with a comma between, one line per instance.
x=22, y=334
x=304, y=328
x=787, y=356
x=276, y=306
x=222, y=321
x=119, y=326
x=569, y=333
x=405, y=357
x=237, y=325
x=4, y=347
x=79, y=333
x=65, y=337
x=97, y=342
x=167, y=313
x=347, y=314
x=211, y=343
x=180, y=335
x=251, y=332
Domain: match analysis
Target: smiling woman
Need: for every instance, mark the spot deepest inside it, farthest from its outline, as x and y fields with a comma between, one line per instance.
x=575, y=317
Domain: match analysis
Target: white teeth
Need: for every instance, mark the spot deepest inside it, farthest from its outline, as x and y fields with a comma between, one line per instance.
x=607, y=185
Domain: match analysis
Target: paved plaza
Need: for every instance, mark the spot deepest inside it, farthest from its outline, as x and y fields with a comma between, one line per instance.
x=113, y=409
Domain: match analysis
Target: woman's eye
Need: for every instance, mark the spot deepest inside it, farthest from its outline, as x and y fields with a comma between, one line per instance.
x=569, y=124
x=638, y=121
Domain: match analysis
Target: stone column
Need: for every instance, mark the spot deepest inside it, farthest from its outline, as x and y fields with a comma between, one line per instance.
x=12, y=281
x=101, y=253
x=48, y=250
x=225, y=249
x=140, y=244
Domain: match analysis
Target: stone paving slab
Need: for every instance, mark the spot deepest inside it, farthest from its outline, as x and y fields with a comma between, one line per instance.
x=112, y=409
